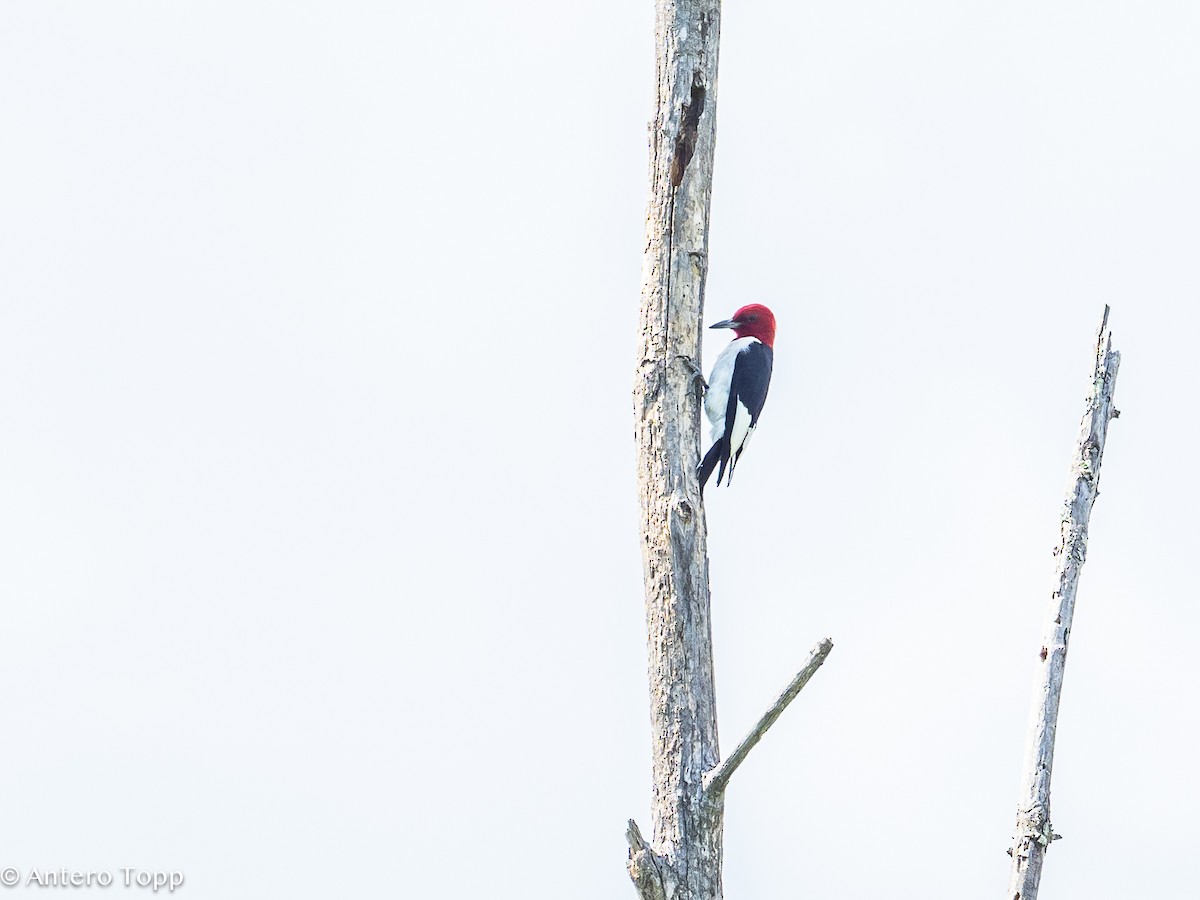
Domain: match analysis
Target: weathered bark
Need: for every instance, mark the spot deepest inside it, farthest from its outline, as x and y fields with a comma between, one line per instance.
x=1033, y=830
x=683, y=859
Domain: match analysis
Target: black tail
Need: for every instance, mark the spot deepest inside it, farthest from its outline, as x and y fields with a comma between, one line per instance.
x=716, y=454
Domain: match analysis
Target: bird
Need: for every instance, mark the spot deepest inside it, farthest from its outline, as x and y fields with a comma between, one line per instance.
x=737, y=389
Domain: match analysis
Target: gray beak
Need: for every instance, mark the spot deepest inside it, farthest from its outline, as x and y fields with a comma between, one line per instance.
x=728, y=323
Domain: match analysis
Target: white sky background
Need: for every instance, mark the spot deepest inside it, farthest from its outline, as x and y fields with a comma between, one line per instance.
x=318, y=540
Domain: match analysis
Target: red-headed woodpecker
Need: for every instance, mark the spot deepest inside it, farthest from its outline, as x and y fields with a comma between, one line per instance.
x=737, y=388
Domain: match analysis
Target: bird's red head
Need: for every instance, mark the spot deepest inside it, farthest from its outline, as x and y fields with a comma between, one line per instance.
x=754, y=320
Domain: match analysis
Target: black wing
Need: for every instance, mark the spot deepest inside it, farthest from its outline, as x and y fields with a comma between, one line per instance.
x=751, y=380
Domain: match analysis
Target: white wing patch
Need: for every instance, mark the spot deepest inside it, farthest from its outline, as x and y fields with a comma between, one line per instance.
x=740, y=434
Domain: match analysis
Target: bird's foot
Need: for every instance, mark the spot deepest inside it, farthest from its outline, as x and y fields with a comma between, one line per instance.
x=697, y=372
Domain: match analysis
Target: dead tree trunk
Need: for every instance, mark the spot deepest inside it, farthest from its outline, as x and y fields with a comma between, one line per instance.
x=682, y=861
x=1033, y=831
